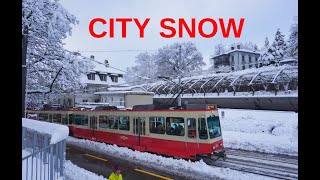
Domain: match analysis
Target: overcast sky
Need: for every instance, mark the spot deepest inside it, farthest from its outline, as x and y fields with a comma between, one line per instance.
x=262, y=18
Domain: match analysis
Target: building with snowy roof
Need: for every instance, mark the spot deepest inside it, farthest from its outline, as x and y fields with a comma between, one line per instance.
x=100, y=77
x=126, y=97
x=237, y=59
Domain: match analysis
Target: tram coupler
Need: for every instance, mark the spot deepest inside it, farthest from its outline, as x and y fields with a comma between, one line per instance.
x=219, y=154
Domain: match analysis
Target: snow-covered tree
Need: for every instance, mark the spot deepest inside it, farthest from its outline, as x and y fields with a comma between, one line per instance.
x=145, y=68
x=165, y=62
x=276, y=52
x=278, y=46
x=266, y=45
x=292, y=49
x=169, y=63
x=50, y=68
x=219, y=49
x=223, y=69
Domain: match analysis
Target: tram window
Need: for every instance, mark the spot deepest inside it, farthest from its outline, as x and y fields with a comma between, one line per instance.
x=103, y=122
x=192, y=128
x=56, y=118
x=156, y=125
x=72, y=119
x=175, y=126
x=124, y=123
x=64, y=119
x=77, y=119
x=214, y=127
x=203, y=133
x=84, y=120
x=113, y=121
x=50, y=118
x=43, y=117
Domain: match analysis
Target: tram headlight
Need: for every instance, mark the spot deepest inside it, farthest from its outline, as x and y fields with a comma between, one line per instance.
x=221, y=144
x=213, y=147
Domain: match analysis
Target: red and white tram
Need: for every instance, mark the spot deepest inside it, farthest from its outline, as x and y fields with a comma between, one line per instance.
x=189, y=134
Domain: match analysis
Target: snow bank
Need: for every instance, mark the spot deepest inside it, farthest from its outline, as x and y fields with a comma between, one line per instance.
x=257, y=130
x=58, y=132
x=176, y=166
x=74, y=172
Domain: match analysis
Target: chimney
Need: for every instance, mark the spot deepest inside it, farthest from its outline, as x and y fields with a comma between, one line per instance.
x=238, y=46
x=106, y=62
x=232, y=48
x=92, y=57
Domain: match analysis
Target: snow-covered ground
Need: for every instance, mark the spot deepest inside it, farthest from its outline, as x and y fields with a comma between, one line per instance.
x=74, y=172
x=176, y=166
x=259, y=130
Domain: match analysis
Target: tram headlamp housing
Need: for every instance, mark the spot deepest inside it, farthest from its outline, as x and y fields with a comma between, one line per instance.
x=213, y=147
x=221, y=144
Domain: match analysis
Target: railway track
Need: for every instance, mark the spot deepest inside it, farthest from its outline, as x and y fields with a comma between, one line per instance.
x=270, y=165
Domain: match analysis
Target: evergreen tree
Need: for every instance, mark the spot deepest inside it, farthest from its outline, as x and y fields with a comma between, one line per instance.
x=278, y=47
x=274, y=53
x=292, y=50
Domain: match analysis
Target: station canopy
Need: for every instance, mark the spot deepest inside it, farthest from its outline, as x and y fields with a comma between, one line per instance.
x=282, y=78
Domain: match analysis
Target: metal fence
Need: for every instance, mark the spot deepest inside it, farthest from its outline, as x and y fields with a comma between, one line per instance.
x=41, y=160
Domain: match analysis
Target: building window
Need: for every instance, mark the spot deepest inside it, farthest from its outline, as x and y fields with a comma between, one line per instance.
x=242, y=59
x=112, y=99
x=121, y=102
x=91, y=76
x=232, y=68
x=257, y=65
x=103, y=77
x=85, y=89
x=249, y=59
x=243, y=67
x=260, y=64
x=114, y=78
x=256, y=59
x=250, y=66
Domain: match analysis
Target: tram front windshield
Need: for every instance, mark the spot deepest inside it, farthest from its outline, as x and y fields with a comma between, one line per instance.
x=214, y=127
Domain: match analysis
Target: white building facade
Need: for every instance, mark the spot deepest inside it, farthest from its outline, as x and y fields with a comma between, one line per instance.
x=237, y=59
x=126, y=98
x=98, y=79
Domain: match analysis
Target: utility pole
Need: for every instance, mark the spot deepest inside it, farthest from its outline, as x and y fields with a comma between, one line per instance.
x=24, y=68
x=179, y=98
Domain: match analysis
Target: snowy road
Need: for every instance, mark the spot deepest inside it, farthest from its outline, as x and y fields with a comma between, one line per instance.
x=102, y=164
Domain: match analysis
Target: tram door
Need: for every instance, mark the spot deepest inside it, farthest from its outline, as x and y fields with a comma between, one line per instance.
x=139, y=128
x=93, y=126
x=192, y=139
